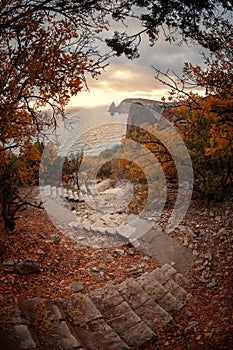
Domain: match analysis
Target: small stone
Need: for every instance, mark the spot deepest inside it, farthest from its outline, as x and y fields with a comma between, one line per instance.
x=10, y=263
x=200, y=268
x=195, y=253
x=28, y=266
x=185, y=243
x=202, y=280
x=76, y=286
x=131, y=251
x=198, y=337
x=80, y=238
x=218, y=218
x=119, y=251
x=146, y=258
x=102, y=274
x=55, y=238
x=134, y=271
x=207, y=256
x=95, y=269
x=198, y=262
x=221, y=231
x=212, y=284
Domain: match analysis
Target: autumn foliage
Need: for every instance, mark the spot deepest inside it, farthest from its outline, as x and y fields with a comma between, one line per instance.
x=44, y=59
x=48, y=48
x=205, y=121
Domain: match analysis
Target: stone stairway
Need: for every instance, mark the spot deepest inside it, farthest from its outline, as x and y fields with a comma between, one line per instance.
x=117, y=316
x=54, y=191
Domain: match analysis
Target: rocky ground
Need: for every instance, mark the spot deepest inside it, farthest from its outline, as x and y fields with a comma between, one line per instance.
x=38, y=260
x=206, y=323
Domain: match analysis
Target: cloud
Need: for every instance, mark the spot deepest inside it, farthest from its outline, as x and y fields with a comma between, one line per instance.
x=125, y=77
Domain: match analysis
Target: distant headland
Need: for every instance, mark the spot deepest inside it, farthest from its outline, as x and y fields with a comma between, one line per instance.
x=141, y=110
x=124, y=105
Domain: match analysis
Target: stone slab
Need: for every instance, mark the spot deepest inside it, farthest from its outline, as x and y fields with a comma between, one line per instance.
x=159, y=293
x=127, y=231
x=58, y=213
x=137, y=335
x=133, y=293
x=58, y=336
x=141, y=226
x=79, y=309
x=153, y=314
x=177, y=291
x=159, y=275
x=98, y=335
x=165, y=249
x=121, y=317
x=169, y=303
x=152, y=287
x=106, y=298
x=23, y=337
x=46, y=320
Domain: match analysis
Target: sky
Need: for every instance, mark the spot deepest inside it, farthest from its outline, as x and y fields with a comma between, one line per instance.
x=125, y=78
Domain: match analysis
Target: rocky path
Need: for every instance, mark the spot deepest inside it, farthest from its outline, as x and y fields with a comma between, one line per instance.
x=95, y=228
x=117, y=316
x=205, y=322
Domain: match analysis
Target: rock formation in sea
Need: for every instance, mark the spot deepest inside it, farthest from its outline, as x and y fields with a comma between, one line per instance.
x=112, y=108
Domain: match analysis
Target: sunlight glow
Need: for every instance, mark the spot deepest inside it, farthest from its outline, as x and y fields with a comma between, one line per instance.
x=97, y=97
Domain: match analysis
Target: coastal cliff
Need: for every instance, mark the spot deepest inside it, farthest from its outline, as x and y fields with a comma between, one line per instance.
x=141, y=111
x=124, y=105
x=139, y=114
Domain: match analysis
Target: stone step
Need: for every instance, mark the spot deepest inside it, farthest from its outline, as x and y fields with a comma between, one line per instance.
x=144, y=306
x=121, y=317
x=171, y=280
x=53, y=192
x=89, y=324
x=116, y=316
x=159, y=293
x=47, y=322
x=19, y=335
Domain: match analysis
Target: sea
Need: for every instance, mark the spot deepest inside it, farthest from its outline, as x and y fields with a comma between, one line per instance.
x=91, y=130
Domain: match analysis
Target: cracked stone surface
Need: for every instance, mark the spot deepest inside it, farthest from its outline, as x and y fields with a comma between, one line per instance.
x=117, y=316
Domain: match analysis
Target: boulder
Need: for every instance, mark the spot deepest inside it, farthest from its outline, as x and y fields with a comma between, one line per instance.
x=28, y=266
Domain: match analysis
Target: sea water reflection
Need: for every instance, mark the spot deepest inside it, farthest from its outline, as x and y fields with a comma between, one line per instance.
x=91, y=130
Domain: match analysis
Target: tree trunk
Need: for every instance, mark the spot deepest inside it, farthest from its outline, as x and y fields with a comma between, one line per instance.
x=7, y=214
